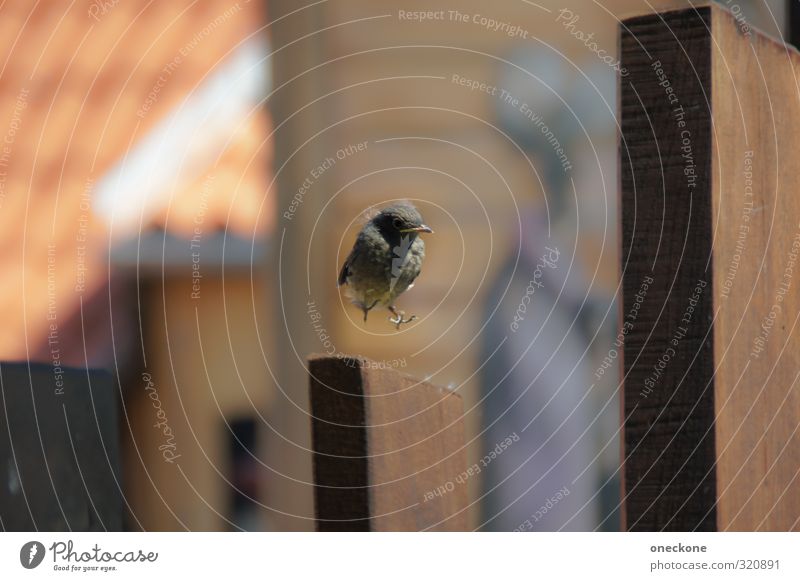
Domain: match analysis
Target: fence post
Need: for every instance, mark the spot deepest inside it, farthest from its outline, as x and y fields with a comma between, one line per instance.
x=710, y=119
x=389, y=450
x=59, y=456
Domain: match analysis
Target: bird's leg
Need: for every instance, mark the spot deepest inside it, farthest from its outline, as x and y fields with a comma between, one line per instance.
x=398, y=318
x=368, y=309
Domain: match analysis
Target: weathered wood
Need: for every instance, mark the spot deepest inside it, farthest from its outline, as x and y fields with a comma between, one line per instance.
x=59, y=452
x=389, y=451
x=709, y=120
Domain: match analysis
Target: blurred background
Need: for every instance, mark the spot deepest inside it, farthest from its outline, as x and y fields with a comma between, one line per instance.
x=181, y=181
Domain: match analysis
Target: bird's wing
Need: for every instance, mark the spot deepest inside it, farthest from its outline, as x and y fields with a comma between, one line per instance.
x=414, y=265
x=345, y=272
x=413, y=278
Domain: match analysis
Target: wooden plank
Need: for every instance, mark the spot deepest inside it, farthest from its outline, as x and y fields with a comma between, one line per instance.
x=59, y=454
x=666, y=476
x=711, y=438
x=755, y=185
x=389, y=450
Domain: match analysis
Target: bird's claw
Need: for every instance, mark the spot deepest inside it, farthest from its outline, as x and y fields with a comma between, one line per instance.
x=399, y=319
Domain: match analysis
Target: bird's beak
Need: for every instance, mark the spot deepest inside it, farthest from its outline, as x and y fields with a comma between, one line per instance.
x=422, y=228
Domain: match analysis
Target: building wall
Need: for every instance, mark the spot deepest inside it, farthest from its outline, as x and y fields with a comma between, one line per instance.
x=206, y=366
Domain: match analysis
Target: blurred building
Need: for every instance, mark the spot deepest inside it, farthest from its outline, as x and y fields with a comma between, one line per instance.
x=135, y=180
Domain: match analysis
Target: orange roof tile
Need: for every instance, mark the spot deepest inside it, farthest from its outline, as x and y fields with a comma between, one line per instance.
x=74, y=86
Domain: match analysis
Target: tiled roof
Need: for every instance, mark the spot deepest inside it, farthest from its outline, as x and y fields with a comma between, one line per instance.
x=80, y=84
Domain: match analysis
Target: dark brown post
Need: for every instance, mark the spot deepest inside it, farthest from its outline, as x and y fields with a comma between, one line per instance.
x=59, y=452
x=793, y=22
x=710, y=119
x=389, y=450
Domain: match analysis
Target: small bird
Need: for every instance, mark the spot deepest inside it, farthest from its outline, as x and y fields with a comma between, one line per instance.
x=385, y=260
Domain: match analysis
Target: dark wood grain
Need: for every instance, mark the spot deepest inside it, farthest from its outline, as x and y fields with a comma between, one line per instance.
x=339, y=439
x=59, y=453
x=669, y=443
x=388, y=449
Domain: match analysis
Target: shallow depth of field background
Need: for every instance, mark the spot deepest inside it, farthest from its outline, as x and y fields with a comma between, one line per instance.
x=174, y=210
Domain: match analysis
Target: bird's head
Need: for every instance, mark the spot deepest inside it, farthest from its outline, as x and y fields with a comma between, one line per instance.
x=402, y=218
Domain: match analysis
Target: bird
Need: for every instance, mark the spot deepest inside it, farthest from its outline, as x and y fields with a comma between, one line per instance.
x=385, y=260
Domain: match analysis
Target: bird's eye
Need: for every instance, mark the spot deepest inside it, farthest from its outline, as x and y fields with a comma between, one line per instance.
x=397, y=223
